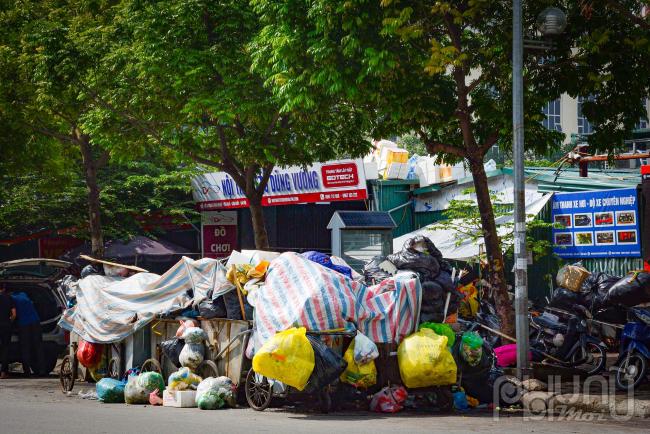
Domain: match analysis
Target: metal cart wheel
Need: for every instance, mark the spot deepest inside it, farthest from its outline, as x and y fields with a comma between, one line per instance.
x=66, y=374
x=207, y=368
x=114, y=368
x=258, y=391
x=151, y=365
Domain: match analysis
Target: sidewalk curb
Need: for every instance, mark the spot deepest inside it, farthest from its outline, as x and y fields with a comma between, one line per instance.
x=538, y=401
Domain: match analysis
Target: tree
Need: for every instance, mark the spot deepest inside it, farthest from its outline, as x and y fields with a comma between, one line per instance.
x=177, y=74
x=443, y=70
x=132, y=196
x=44, y=61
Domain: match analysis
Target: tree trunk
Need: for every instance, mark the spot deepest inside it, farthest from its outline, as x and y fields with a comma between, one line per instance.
x=257, y=218
x=94, y=205
x=495, y=264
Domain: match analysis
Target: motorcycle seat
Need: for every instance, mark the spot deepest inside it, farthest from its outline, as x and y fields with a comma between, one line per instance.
x=548, y=323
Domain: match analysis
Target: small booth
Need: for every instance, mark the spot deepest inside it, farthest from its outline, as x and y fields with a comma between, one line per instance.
x=358, y=236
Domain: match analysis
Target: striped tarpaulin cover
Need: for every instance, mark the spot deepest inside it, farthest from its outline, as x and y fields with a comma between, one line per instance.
x=299, y=292
x=109, y=309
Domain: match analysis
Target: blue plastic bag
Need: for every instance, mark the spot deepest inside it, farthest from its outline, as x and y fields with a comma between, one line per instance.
x=110, y=391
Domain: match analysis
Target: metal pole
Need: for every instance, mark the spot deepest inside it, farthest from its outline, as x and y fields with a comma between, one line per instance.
x=521, y=257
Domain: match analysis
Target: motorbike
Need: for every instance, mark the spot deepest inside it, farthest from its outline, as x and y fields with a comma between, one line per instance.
x=631, y=367
x=569, y=342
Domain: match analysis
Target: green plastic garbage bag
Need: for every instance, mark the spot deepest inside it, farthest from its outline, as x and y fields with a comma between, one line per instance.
x=210, y=400
x=442, y=330
x=138, y=388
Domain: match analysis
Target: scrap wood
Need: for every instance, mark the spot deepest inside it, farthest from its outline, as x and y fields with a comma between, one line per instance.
x=114, y=264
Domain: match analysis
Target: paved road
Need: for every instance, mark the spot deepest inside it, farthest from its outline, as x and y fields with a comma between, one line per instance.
x=38, y=406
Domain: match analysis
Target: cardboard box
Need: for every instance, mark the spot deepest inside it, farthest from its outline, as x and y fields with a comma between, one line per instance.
x=179, y=398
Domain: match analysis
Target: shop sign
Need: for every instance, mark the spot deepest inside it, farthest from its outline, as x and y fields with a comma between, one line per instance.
x=321, y=182
x=596, y=224
x=218, y=233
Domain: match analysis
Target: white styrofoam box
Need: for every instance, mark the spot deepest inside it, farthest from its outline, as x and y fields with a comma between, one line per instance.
x=427, y=172
x=237, y=258
x=382, y=144
x=389, y=155
x=397, y=171
x=179, y=398
x=371, y=170
x=490, y=166
x=459, y=171
x=260, y=255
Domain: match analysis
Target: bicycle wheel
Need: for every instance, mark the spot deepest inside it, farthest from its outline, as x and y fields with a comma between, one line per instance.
x=258, y=391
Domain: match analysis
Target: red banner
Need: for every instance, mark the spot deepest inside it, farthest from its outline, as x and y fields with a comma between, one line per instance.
x=54, y=247
x=321, y=182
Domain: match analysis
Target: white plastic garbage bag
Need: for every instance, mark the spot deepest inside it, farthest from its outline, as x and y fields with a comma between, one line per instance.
x=194, y=335
x=365, y=350
x=214, y=393
x=191, y=355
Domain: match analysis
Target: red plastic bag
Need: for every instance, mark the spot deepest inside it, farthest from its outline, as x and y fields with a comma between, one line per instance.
x=89, y=354
x=389, y=400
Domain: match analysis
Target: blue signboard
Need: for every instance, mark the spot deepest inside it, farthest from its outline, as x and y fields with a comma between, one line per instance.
x=596, y=224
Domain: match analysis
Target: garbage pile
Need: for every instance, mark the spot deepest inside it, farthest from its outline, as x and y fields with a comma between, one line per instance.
x=396, y=336
x=604, y=295
x=420, y=255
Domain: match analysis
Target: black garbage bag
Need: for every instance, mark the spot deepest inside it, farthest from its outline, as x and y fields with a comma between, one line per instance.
x=419, y=254
x=565, y=299
x=209, y=309
x=328, y=366
x=372, y=273
x=631, y=290
x=434, y=296
x=233, y=308
x=172, y=348
x=599, y=283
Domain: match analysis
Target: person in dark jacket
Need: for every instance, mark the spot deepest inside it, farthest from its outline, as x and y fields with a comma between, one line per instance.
x=7, y=315
x=29, y=334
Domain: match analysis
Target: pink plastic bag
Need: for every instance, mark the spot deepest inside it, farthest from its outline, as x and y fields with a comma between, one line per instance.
x=507, y=355
x=389, y=400
x=154, y=399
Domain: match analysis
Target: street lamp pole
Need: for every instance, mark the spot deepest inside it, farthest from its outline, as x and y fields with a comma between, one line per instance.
x=521, y=257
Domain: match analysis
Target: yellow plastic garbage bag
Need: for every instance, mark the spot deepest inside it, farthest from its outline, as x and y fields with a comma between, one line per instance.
x=361, y=376
x=287, y=357
x=424, y=360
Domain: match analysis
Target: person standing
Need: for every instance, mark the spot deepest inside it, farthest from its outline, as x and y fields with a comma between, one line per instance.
x=30, y=334
x=7, y=315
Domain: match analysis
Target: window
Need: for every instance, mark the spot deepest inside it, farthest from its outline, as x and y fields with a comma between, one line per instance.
x=584, y=126
x=553, y=115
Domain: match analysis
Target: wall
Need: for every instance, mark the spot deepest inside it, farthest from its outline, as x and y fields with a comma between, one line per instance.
x=294, y=227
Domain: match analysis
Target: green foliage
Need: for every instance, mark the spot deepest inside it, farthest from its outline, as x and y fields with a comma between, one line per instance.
x=464, y=218
x=131, y=193
x=177, y=74
x=412, y=143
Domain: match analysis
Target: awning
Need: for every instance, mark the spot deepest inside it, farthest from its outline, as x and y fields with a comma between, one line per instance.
x=456, y=245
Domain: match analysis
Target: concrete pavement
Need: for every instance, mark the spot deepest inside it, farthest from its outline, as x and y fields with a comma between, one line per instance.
x=38, y=406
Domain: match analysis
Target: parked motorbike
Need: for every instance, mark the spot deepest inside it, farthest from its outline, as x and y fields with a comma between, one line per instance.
x=634, y=354
x=570, y=342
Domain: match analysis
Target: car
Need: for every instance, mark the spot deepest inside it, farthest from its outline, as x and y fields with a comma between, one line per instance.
x=37, y=277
